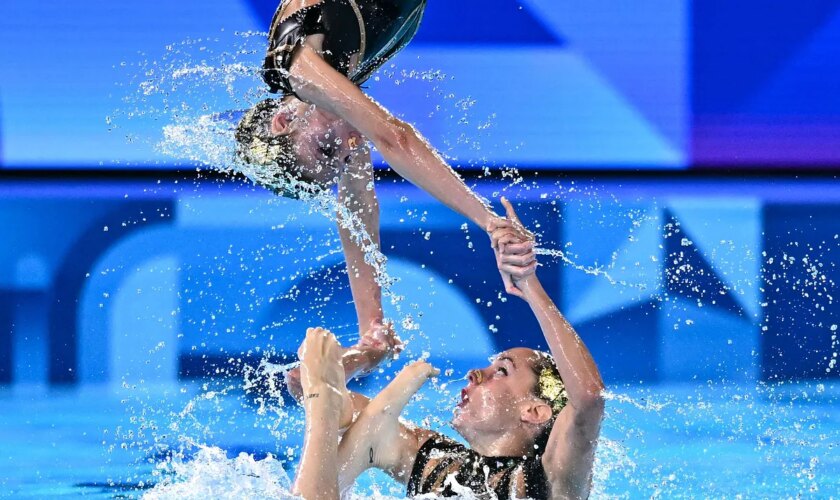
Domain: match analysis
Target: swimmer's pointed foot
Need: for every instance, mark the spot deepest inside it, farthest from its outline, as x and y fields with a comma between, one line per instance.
x=408, y=381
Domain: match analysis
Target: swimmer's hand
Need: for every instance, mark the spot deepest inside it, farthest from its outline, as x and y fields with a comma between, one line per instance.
x=381, y=335
x=376, y=344
x=396, y=395
x=321, y=374
x=514, y=249
x=509, y=225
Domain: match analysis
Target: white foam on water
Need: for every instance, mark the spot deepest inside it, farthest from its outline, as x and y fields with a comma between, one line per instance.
x=210, y=474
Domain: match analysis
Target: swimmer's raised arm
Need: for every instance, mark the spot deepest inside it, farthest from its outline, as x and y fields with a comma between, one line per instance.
x=569, y=453
x=316, y=82
x=357, y=198
x=358, y=226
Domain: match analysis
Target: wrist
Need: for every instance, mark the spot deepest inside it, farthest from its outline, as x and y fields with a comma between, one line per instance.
x=531, y=287
x=486, y=219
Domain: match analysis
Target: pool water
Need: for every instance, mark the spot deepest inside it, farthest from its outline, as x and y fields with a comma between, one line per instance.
x=709, y=440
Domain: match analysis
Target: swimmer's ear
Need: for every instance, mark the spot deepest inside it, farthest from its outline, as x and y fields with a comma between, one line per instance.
x=536, y=412
x=282, y=123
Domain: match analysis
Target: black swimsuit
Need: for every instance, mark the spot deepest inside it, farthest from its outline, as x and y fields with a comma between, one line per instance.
x=375, y=30
x=487, y=477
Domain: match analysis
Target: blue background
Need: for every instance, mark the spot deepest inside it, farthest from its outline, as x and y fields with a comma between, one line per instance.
x=562, y=84
x=95, y=273
x=702, y=283
x=111, y=281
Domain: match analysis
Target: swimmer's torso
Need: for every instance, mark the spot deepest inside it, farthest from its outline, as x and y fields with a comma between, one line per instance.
x=443, y=465
x=359, y=36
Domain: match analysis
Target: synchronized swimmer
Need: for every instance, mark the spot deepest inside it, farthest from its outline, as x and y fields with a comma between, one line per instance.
x=313, y=136
x=531, y=419
x=531, y=422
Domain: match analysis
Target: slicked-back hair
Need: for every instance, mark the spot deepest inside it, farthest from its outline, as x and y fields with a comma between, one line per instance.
x=271, y=159
x=544, y=361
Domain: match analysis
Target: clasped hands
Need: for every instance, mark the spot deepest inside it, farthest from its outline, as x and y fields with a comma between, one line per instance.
x=513, y=245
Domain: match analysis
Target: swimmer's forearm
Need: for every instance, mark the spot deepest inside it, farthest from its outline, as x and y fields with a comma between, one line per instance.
x=574, y=362
x=360, y=199
x=317, y=477
x=411, y=156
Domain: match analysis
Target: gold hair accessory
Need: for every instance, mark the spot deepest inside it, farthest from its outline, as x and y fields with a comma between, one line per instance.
x=259, y=151
x=553, y=389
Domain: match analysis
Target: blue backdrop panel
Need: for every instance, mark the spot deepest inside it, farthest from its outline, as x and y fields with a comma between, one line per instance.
x=801, y=326
x=520, y=84
x=625, y=343
x=583, y=83
x=6, y=328
x=764, y=82
x=108, y=283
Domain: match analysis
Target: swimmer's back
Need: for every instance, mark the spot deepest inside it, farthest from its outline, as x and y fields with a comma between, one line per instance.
x=358, y=36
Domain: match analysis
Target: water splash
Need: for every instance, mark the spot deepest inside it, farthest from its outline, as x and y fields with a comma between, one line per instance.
x=186, y=91
x=210, y=474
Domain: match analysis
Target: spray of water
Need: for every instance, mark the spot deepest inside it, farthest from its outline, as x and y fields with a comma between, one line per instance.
x=188, y=89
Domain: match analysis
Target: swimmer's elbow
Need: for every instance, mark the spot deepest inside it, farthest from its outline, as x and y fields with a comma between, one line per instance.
x=396, y=136
x=590, y=408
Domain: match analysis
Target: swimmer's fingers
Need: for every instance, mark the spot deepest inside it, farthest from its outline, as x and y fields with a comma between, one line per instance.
x=503, y=238
x=518, y=260
x=518, y=272
x=510, y=287
x=498, y=227
x=514, y=248
x=498, y=234
x=381, y=335
x=497, y=223
x=510, y=212
x=507, y=280
x=522, y=231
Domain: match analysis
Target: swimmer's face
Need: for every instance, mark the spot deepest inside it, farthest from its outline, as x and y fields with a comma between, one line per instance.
x=324, y=142
x=498, y=397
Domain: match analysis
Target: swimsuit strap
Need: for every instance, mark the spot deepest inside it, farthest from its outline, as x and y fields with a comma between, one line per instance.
x=284, y=37
x=434, y=444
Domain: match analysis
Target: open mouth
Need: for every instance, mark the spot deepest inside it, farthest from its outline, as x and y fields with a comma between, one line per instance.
x=464, y=398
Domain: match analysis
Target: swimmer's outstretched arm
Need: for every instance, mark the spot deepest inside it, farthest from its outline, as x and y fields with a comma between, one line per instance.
x=316, y=82
x=356, y=195
x=570, y=451
x=357, y=198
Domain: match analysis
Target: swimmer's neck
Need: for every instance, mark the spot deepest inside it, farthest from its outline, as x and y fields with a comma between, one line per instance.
x=502, y=444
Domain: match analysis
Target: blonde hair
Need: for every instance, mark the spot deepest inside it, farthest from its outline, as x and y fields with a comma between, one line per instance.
x=270, y=159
